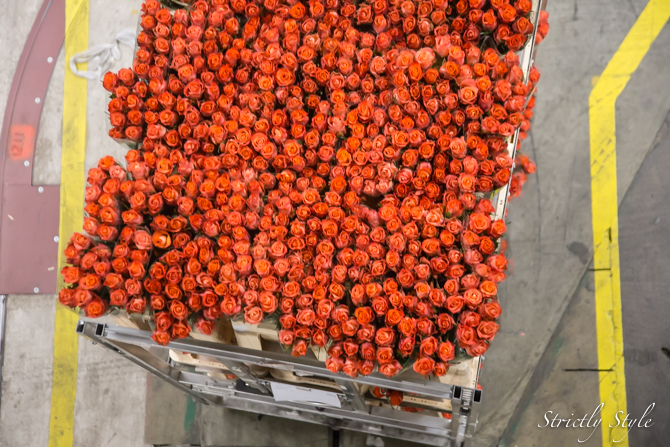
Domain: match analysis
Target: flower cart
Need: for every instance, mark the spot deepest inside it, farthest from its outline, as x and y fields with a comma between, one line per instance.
x=309, y=222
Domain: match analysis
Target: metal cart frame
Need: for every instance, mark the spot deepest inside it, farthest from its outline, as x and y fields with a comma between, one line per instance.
x=248, y=392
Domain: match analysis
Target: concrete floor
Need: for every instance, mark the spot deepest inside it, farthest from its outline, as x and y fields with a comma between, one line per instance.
x=548, y=320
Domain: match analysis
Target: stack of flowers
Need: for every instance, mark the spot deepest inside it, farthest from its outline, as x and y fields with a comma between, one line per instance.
x=325, y=163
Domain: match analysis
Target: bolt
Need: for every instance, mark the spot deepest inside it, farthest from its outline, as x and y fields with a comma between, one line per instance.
x=37, y=100
x=50, y=59
x=26, y=163
x=40, y=189
x=36, y=290
x=56, y=239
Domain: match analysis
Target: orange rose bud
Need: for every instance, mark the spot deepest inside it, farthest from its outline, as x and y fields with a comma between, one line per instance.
x=67, y=297
x=180, y=329
x=299, y=348
x=161, y=337
x=161, y=239
x=396, y=397
x=95, y=308
x=424, y=366
x=364, y=315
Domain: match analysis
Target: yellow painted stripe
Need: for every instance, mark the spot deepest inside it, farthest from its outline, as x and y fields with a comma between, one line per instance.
x=604, y=205
x=64, y=382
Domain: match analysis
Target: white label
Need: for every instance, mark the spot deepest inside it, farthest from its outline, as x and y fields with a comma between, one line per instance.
x=290, y=393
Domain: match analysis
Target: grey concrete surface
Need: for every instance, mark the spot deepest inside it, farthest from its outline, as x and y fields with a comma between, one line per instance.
x=356, y=439
x=109, y=408
x=25, y=404
x=563, y=382
x=644, y=223
x=641, y=110
x=172, y=417
x=236, y=428
x=177, y=411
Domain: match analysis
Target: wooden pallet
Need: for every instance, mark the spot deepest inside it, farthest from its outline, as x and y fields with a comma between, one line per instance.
x=223, y=330
x=265, y=336
x=134, y=322
x=198, y=361
x=439, y=405
x=463, y=374
x=223, y=333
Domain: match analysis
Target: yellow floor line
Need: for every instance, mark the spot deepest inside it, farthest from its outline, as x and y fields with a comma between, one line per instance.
x=604, y=204
x=64, y=383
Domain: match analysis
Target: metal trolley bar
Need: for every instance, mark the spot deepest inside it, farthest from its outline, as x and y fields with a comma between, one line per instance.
x=226, y=353
x=140, y=357
x=245, y=391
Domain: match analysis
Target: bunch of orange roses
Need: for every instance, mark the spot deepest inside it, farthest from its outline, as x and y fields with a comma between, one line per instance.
x=324, y=163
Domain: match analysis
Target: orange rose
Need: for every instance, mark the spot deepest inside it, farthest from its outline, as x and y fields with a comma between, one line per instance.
x=497, y=263
x=90, y=282
x=468, y=92
x=268, y=302
x=178, y=310
x=393, y=317
x=136, y=305
x=71, y=275
x=231, y=307
x=306, y=317
x=349, y=327
x=390, y=369
x=161, y=337
x=490, y=310
x=364, y=315
x=142, y=240
x=180, y=329
x=299, y=348
x=424, y=366
x=407, y=326
x=253, y=315
x=385, y=337
x=487, y=330
x=446, y=351
x=161, y=239
x=95, y=308
x=477, y=349
x=469, y=318
x=455, y=304
x=472, y=298
x=428, y=346
x=466, y=335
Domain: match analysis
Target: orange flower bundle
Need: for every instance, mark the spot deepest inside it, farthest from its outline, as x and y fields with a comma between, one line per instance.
x=324, y=163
